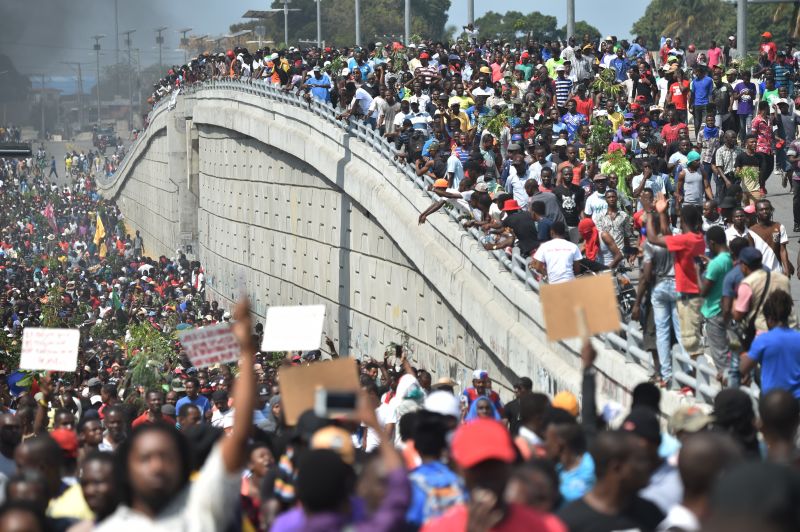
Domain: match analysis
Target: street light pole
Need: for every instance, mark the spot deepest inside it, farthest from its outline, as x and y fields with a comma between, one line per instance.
x=160, y=42
x=408, y=22
x=358, y=23
x=80, y=92
x=286, y=23
x=128, y=43
x=470, y=11
x=741, y=27
x=97, y=54
x=185, y=44
x=319, y=23
x=570, y=19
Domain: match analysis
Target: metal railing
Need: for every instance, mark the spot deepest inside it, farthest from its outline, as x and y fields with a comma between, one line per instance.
x=628, y=341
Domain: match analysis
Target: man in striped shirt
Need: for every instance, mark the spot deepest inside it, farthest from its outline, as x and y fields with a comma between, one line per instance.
x=563, y=88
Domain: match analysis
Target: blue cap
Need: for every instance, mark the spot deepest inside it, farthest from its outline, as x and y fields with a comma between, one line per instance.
x=751, y=257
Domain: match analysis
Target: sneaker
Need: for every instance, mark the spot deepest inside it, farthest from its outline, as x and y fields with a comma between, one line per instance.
x=797, y=228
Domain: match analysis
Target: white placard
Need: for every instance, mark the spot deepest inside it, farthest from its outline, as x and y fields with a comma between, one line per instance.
x=49, y=349
x=293, y=328
x=213, y=344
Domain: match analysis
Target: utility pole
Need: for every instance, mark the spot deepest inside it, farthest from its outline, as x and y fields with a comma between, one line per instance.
x=128, y=43
x=97, y=53
x=408, y=23
x=358, y=22
x=319, y=23
x=570, y=19
x=116, y=31
x=160, y=43
x=80, y=92
x=41, y=103
x=185, y=44
x=470, y=11
x=265, y=13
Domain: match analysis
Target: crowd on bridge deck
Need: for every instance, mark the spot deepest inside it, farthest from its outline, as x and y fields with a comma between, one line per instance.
x=575, y=158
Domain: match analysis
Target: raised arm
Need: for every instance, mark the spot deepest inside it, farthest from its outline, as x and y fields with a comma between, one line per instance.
x=234, y=447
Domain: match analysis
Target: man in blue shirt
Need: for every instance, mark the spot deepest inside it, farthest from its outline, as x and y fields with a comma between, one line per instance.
x=320, y=85
x=637, y=50
x=193, y=397
x=777, y=350
x=699, y=96
x=620, y=65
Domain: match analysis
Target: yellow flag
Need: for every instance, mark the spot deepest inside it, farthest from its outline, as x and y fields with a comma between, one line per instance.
x=100, y=232
x=103, y=250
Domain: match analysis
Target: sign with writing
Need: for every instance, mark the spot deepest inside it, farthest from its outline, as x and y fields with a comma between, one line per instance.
x=585, y=306
x=299, y=384
x=49, y=349
x=214, y=344
x=293, y=328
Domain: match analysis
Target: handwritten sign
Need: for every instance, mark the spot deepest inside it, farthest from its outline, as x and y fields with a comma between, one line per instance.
x=293, y=328
x=214, y=344
x=49, y=349
x=299, y=384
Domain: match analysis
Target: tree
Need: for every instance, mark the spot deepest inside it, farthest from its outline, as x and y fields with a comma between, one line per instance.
x=700, y=21
x=381, y=20
x=582, y=28
x=513, y=25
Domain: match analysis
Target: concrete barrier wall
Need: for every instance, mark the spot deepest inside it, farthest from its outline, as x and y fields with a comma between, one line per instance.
x=306, y=213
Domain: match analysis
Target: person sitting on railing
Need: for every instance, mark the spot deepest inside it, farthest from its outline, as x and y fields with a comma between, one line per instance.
x=558, y=258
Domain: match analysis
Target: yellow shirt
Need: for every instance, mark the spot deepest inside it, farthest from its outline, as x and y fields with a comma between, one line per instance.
x=70, y=504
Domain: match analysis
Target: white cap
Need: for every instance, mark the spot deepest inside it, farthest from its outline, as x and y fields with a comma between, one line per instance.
x=480, y=374
x=444, y=403
x=345, y=71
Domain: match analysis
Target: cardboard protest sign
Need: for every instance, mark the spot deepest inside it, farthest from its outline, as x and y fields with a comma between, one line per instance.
x=293, y=328
x=590, y=299
x=214, y=344
x=49, y=349
x=298, y=384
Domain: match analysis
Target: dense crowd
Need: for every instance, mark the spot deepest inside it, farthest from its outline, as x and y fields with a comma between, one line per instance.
x=576, y=159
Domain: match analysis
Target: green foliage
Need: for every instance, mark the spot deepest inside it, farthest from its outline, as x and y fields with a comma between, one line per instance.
x=381, y=20
x=700, y=21
x=606, y=83
x=515, y=24
x=152, y=350
x=600, y=136
x=618, y=164
x=9, y=351
x=494, y=122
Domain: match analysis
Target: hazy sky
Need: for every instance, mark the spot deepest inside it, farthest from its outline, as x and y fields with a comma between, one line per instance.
x=40, y=34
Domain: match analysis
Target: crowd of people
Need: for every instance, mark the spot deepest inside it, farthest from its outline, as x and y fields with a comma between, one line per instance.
x=576, y=158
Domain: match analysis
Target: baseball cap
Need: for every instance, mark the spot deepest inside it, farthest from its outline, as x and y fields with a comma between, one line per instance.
x=480, y=374
x=441, y=183
x=514, y=147
x=424, y=55
x=560, y=68
x=731, y=72
x=485, y=70
x=692, y=156
x=67, y=440
x=315, y=69
x=689, y=419
x=177, y=385
x=767, y=34
x=566, y=401
x=336, y=439
x=782, y=100
x=444, y=403
x=482, y=440
x=561, y=142
x=643, y=422
x=94, y=381
x=751, y=256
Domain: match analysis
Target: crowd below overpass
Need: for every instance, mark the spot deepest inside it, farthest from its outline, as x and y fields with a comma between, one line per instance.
x=575, y=158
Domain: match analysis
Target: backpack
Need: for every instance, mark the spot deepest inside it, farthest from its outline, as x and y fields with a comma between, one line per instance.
x=437, y=499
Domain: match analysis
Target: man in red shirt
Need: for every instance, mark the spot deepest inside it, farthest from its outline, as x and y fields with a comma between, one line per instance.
x=686, y=249
x=767, y=47
x=155, y=400
x=484, y=452
x=669, y=132
x=678, y=95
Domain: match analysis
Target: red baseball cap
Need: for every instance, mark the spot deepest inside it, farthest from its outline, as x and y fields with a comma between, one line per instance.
x=424, y=55
x=67, y=440
x=481, y=440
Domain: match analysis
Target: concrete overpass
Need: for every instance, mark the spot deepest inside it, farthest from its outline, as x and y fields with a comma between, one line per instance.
x=259, y=184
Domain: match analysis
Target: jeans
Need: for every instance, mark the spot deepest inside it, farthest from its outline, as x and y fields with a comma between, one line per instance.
x=699, y=116
x=796, y=201
x=717, y=333
x=766, y=165
x=665, y=313
x=745, y=121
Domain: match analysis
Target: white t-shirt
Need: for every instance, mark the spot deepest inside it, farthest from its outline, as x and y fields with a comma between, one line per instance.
x=731, y=233
x=455, y=167
x=558, y=255
x=385, y=415
x=202, y=506
x=595, y=205
x=770, y=259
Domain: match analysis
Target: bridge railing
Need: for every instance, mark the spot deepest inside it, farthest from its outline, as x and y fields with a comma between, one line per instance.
x=695, y=373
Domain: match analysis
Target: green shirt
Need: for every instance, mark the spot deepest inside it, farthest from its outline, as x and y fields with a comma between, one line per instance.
x=715, y=272
x=526, y=69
